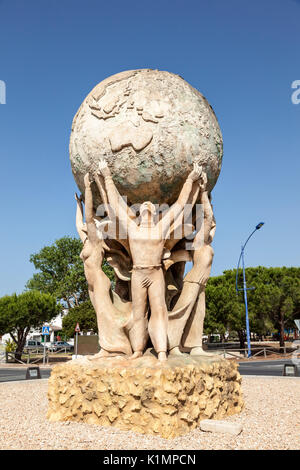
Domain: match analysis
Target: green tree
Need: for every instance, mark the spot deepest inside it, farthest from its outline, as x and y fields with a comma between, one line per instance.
x=61, y=272
x=20, y=313
x=224, y=309
x=273, y=303
x=85, y=315
x=279, y=295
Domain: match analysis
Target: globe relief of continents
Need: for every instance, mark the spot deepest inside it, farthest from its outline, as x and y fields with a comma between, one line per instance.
x=150, y=126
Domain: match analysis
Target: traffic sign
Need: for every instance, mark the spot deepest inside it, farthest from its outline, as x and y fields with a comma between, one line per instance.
x=77, y=330
x=46, y=330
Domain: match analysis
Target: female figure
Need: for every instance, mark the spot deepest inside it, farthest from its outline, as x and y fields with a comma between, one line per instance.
x=186, y=330
x=112, y=337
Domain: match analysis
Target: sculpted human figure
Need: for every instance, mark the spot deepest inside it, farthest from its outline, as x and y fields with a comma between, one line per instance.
x=112, y=337
x=146, y=242
x=186, y=331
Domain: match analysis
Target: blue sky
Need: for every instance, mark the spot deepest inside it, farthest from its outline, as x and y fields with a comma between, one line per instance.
x=243, y=56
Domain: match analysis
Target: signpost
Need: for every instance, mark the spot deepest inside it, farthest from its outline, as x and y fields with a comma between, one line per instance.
x=45, y=332
x=77, y=330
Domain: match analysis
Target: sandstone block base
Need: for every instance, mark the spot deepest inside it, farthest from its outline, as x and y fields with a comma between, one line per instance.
x=224, y=427
x=143, y=395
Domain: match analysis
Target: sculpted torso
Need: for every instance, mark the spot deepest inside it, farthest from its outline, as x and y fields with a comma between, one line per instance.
x=92, y=256
x=146, y=246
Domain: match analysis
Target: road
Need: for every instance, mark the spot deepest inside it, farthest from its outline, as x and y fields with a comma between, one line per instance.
x=10, y=375
x=269, y=368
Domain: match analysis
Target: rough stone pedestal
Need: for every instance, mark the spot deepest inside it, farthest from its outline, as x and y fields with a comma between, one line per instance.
x=143, y=395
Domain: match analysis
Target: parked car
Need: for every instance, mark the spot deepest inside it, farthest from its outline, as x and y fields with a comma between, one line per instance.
x=61, y=345
x=33, y=344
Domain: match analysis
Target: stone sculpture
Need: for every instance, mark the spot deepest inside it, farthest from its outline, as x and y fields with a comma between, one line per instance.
x=149, y=127
x=150, y=137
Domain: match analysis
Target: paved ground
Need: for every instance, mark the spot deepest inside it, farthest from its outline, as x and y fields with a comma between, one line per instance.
x=270, y=420
x=268, y=368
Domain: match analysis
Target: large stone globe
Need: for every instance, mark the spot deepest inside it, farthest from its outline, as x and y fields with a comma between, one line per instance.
x=150, y=126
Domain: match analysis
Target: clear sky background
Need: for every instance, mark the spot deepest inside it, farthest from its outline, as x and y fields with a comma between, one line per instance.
x=242, y=55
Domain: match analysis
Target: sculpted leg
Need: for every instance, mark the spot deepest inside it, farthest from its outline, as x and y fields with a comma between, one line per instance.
x=111, y=322
x=192, y=336
x=158, y=323
x=103, y=352
x=177, y=322
x=193, y=333
x=138, y=329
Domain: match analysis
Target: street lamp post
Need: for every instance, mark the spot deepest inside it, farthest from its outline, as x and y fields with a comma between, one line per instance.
x=244, y=289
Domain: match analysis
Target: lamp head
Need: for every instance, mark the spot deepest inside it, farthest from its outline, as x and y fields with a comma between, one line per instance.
x=258, y=226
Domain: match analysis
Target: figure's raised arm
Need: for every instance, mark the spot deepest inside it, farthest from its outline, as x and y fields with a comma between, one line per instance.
x=79, y=218
x=101, y=187
x=208, y=220
x=208, y=225
x=89, y=210
x=116, y=202
x=184, y=196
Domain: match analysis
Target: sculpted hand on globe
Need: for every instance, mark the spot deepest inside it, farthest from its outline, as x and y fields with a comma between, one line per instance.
x=87, y=182
x=203, y=182
x=103, y=167
x=196, y=173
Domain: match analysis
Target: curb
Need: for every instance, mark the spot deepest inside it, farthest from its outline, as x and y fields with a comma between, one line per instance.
x=24, y=381
x=269, y=376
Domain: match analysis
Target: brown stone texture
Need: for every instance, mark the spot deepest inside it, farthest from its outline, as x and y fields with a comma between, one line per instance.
x=143, y=395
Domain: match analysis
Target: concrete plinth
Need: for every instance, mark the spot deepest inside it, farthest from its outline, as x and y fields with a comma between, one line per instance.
x=143, y=395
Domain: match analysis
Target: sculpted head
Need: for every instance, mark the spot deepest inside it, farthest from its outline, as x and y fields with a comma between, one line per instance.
x=147, y=211
x=147, y=207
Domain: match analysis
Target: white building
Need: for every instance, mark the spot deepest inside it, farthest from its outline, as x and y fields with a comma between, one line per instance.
x=55, y=326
